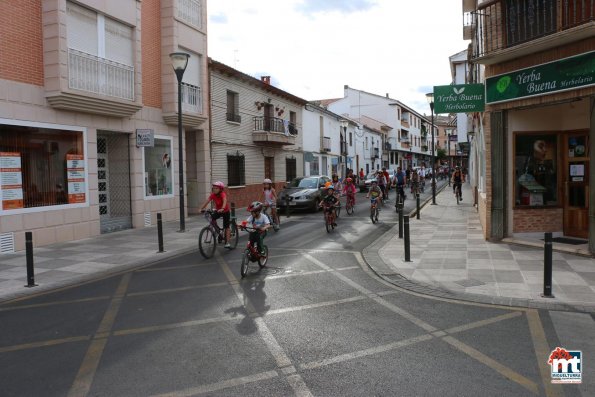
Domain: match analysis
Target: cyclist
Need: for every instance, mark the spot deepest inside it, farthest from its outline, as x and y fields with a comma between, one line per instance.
x=337, y=185
x=400, y=181
x=381, y=182
x=387, y=180
x=423, y=174
x=329, y=202
x=258, y=221
x=270, y=199
x=414, y=182
x=222, y=210
x=457, y=180
x=375, y=193
x=349, y=190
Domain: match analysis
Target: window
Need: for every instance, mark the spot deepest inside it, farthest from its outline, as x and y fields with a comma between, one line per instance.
x=233, y=107
x=190, y=12
x=292, y=122
x=100, y=53
x=366, y=142
x=41, y=167
x=269, y=168
x=159, y=173
x=235, y=170
x=191, y=92
x=291, y=169
x=535, y=166
x=314, y=166
x=351, y=139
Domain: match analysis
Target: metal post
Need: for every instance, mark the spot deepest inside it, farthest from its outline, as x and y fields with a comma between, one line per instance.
x=406, y=239
x=547, y=266
x=233, y=210
x=29, y=253
x=433, y=163
x=449, y=164
x=181, y=157
x=418, y=205
x=160, y=232
x=400, y=210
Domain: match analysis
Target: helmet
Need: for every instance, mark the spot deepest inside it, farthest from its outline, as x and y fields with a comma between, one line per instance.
x=219, y=184
x=255, y=206
x=326, y=185
x=331, y=187
x=267, y=181
x=347, y=180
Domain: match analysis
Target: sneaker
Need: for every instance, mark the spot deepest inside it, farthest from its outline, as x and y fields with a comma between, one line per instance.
x=334, y=224
x=461, y=198
x=227, y=245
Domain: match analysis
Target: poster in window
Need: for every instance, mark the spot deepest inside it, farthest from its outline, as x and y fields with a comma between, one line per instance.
x=11, y=180
x=158, y=168
x=535, y=169
x=75, y=171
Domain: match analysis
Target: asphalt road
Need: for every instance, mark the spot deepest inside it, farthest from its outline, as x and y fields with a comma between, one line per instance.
x=316, y=321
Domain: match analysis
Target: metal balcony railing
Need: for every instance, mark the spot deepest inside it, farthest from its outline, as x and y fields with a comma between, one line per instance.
x=503, y=24
x=98, y=75
x=191, y=98
x=273, y=124
x=190, y=11
x=375, y=153
x=236, y=118
x=326, y=144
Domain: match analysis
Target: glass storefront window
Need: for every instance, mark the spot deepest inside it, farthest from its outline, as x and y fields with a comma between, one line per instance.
x=158, y=168
x=41, y=167
x=535, y=166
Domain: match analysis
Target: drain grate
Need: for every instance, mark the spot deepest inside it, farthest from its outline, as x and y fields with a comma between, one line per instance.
x=394, y=276
x=470, y=282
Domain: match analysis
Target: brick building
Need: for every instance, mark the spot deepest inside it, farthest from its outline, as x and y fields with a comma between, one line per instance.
x=539, y=124
x=79, y=81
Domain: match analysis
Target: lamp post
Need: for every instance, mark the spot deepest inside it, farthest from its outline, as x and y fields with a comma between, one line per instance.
x=430, y=98
x=344, y=124
x=179, y=61
x=449, y=163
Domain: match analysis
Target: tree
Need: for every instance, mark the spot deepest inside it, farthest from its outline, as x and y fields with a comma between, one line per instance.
x=440, y=154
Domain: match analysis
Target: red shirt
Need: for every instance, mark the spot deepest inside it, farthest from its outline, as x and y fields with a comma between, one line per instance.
x=218, y=200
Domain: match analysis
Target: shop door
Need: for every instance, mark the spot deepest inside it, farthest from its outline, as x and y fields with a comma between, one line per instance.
x=576, y=185
x=113, y=182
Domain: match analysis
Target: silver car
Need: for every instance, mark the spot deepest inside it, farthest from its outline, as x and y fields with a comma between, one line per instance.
x=303, y=192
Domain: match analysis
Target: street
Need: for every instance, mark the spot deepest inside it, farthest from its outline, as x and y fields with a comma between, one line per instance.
x=316, y=321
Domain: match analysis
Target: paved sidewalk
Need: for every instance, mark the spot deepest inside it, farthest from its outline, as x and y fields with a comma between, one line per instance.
x=66, y=264
x=451, y=258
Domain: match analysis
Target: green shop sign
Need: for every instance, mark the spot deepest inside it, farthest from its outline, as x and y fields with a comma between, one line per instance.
x=462, y=98
x=562, y=75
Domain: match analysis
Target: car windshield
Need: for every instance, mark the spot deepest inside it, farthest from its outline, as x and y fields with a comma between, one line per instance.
x=305, y=183
x=372, y=175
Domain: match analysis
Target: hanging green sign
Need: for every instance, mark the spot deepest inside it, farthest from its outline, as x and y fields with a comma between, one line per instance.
x=562, y=75
x=462, y=98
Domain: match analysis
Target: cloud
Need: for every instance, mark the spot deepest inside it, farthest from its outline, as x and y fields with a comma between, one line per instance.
x=219, y=18
x=310, y=7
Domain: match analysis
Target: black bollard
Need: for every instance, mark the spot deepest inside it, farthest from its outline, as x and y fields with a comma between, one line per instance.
x=400, y=220
x=406, y=239
x=233, y=211
x=160, y=232
x=418, y=205
x=547, y=266
x=29, y=253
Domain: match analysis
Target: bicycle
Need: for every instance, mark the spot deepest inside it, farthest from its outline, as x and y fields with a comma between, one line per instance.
x=275, y=220
x=458, y=193
x=212, y=234
x=251, y=254
x=350, y=204
x=338, y=206
x=329, y=223
x=374, y=210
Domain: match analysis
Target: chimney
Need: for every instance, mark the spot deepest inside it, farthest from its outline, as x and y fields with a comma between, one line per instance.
x=266, y=79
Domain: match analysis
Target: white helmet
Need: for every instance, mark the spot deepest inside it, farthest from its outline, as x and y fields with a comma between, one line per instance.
x=267, y=181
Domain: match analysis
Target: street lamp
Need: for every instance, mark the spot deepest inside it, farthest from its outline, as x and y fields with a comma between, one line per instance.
x=344, y=124
x=179, y=61
x=449, y=163
x=430, y=98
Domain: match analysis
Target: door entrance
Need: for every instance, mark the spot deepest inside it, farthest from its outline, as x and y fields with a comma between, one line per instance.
x=575, y=182
x=113, y=182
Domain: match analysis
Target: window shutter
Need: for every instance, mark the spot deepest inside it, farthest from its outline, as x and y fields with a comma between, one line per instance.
x=81, y=29
x=118, y=42
x=192, y=73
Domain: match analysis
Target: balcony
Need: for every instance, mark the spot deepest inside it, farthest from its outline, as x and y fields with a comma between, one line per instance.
x=97, y=85
x=273, y=131
x=375, y=153
x=233, y=117
x=189, y=11
x=326, y=144
x=507, y=29
x=191, y=98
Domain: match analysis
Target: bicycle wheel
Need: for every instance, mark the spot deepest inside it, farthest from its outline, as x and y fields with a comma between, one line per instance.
x=234, y=234
x=376, y=214
x=207, y=242
x=245, y=263
x=372, y=215
x=349, y=208
x=458, y=195
x=327, y=223
x=262, y=261
x=337, y=211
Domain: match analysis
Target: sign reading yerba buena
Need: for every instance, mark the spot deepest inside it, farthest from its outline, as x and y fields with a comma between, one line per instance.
x=462, y=98
x=562, y=75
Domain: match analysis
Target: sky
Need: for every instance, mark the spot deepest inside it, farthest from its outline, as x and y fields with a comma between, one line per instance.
x=312, y=48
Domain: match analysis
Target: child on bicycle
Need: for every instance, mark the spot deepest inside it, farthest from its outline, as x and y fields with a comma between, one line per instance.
x=258, y=221
x=222, y=209
x=329, y=202
x=349, y=190
x=375, y=193
x=270, y=199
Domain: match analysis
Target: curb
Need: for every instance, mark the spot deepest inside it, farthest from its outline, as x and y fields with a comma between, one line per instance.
x=384, y=271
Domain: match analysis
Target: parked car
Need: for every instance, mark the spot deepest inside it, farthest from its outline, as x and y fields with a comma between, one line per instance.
x=303, y=192
x=364, y=184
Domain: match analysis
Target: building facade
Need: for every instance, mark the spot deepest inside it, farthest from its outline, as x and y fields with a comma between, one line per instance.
x=79, y=82
x=539, y=123
x=256, y=133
